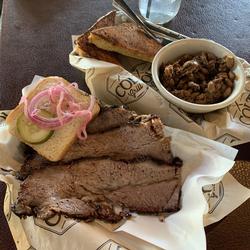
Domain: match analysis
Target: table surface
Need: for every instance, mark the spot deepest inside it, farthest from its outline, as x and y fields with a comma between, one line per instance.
x=36, y=39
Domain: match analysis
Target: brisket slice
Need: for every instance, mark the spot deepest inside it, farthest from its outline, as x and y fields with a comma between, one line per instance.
x=90, y=189
x=142, y=137
x=110, y=118
x=33, y=162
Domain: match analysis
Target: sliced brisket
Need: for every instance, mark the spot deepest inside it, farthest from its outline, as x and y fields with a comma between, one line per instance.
x=124, y=163
x=33, y=161
x=110, y=118
x=143, y=136
x=89, y=189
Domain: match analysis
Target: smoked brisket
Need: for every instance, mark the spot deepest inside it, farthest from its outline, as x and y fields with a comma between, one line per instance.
x=90, y=189
x=125, y=165
x=141, y=137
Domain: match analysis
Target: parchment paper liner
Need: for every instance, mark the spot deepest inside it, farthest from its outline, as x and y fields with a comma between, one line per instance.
x=203, y=202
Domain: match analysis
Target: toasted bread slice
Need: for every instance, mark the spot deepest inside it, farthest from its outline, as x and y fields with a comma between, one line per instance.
x=57, y=145
x=127, y=39
x=104, y=21
x=86, y=49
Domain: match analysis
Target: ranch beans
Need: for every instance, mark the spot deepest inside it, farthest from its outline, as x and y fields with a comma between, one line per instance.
x=202, y=78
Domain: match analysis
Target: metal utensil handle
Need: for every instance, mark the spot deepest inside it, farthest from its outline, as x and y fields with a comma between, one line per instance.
x=164, y=36
x=165, y=31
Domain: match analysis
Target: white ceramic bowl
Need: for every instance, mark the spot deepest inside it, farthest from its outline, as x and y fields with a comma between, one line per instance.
x=178, y=48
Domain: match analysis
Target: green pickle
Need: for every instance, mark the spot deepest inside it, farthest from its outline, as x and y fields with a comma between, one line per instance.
x=30, y=132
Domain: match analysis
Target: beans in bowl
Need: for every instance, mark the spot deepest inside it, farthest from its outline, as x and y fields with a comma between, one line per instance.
x=202, y=78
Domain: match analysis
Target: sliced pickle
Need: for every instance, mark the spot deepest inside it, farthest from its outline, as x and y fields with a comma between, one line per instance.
x=30, y=132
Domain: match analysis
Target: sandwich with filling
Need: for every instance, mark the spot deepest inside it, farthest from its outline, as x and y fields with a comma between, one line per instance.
x=89, y=161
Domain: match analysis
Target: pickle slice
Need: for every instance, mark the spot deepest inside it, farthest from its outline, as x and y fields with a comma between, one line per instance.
x=30, y=132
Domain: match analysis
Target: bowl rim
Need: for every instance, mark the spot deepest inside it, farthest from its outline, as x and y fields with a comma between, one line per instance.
x=164, y=91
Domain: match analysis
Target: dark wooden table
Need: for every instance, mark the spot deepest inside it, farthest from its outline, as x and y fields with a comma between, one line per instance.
x=36, y=39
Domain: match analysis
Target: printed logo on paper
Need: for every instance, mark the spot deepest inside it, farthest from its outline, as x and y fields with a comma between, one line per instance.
x=227, y=139
x=240, y=110
x=111, y=245
x=143, y=72
x=3, y=116
x=126, y=88
x=214, y=194
x=57, y=224
x=90, y=72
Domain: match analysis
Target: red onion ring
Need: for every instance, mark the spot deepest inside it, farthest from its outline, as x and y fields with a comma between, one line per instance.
x=57, y=95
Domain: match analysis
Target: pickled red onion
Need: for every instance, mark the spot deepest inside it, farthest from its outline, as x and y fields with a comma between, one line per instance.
x=57, y=96
x=82, y=134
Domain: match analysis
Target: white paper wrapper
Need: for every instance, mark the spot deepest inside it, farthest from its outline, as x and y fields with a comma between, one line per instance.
x=132, y=85
x=206, y=198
